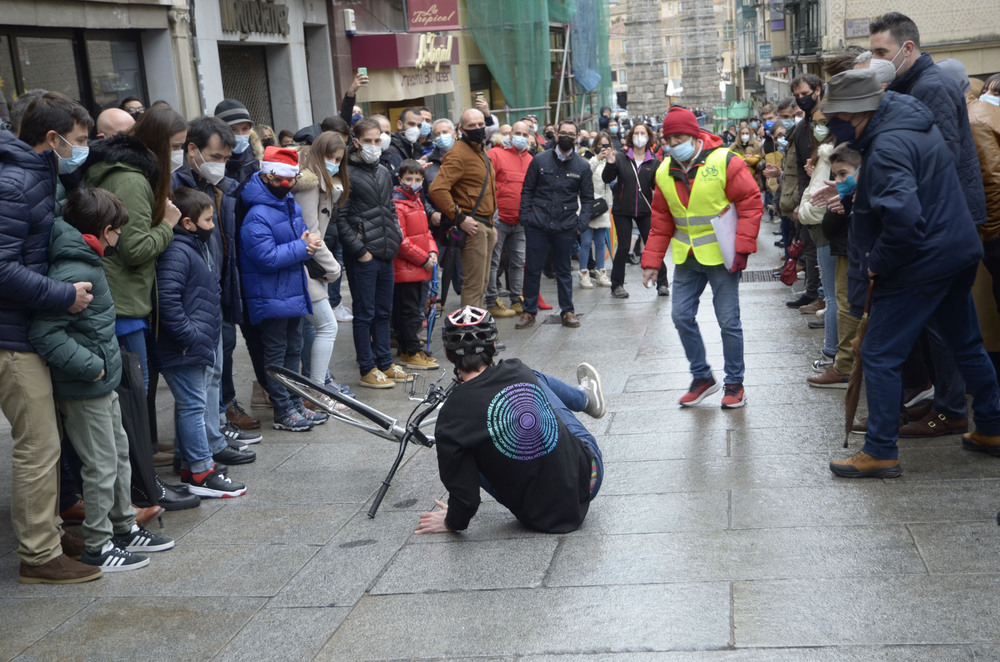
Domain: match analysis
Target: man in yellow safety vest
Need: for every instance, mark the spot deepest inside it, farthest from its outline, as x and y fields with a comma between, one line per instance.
x=698, y=181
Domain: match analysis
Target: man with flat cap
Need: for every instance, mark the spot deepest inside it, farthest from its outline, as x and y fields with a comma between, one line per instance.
x=911, y=220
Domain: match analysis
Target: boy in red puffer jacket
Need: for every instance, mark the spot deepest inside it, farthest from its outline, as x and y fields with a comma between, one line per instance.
x=412, y=267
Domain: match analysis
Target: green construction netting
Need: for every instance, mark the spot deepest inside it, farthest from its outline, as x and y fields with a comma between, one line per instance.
x=513, y=37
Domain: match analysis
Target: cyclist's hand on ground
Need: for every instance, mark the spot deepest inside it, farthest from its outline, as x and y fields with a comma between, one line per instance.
x=433, y=522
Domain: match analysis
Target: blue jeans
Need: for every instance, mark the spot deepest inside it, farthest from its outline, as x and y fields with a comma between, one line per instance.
x=949, y=389
x=371, y=294
x=690, y=280
x=136, y=342
x=189, y=387
x=897, y=317
x=599, y=237
x=565, y=399
x=828, y=276
x=538, y=243
x=281, y=340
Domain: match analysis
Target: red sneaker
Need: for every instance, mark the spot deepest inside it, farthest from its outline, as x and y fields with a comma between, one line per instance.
x=700, y=389
x=733, y=396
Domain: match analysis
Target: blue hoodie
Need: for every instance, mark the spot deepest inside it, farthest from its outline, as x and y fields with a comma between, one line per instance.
x=272, y=255
x=910, y=214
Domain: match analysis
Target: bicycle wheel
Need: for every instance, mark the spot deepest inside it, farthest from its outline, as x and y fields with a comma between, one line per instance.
x=357, y=413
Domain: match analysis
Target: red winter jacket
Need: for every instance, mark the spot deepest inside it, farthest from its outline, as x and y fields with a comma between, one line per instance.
x=418, y=244
x=741, y=190
x=510, y=166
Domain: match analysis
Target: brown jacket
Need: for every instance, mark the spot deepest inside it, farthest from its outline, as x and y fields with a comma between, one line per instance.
x=984, y=119
x=459, y=181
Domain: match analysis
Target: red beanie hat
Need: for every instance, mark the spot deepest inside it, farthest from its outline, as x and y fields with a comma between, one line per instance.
x=680, y=120
x=280, y=161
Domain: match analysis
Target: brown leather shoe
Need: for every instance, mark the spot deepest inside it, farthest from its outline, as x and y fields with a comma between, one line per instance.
x=934, y=425
x=74, y=514
x=981, y=443
x=526, y=320
x=238, y=415
x=570, y=320
x=829, y=379
x=864, y=465
x=60, y=570
x=72, y=546
x=143, y=516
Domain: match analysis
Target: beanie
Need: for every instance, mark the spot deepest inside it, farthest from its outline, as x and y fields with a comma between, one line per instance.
x=680, y=120
x=280, y=162
x=232, y=112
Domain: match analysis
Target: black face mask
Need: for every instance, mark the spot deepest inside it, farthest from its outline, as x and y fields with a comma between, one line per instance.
x=202, y=233
x=474, y=136
x=549, y=135
x=807, y=104
x=110, y=251
x=565, y=143
x=278, y=191
x=267, y=142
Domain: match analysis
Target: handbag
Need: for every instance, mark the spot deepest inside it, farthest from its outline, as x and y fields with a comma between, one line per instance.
x=790, y=272
x=795, y=248
x=315, y=270
x=600, y=208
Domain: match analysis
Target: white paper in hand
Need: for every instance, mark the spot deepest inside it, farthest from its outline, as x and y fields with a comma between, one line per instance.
x=725, y=232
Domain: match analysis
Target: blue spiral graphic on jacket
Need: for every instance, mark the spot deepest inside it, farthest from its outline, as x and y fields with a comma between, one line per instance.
x=521, y=423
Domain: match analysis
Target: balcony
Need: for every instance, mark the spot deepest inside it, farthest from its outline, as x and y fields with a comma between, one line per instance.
x=803, y=26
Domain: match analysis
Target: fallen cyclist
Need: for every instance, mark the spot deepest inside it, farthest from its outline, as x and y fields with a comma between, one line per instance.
x=511, y=430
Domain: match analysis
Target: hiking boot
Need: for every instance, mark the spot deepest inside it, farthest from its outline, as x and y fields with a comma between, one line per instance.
x=420, y=360
x=734, y=396
x=602, y=279
x=232, y=432
x=934, y=425
x=293, y=421
x=619, y=292
x=801, y=301
x=238, y=416
x=397, y=374
x=517, y=307
x=60, y=570
x=114, y=559
x=585, y=282
x=590, y=381
x=981, y=443
x=375, y=378
x=863, y=465
x=812, y=308
x=527, y=320
x=259, y=399
x=570, y=320
x=699, y=390
x=500, y=310
x=829, y=379
x=141, y=540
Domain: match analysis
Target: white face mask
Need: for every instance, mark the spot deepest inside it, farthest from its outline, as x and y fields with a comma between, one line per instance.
x=745, y=137
x=411, y=134
x=370, y=154
x=884, y=71
x=176, y=159
x=211, y=172
x=639, y=141
x=386, y=141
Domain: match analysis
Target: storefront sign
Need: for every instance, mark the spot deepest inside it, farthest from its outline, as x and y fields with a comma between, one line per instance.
x=764, y=57
x=246, y=16
x=408, y=83
x=433, y=15
x=399, y=49
x=431, y=51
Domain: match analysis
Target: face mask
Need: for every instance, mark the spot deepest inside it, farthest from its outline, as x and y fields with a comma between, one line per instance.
x=788, y=124
x=745, y=137
x=841, y=129
x=70, y=164
x=639, y=141
x=989, y=98
x=565, y=143
x=474, y=136
x=242, y=142
x=414, y=189
x=370, y=154
x=847, y=187
x=411, y=134
x=768, y=125
x=332, y=168
x=885, y=72
x=797, y=119
x=355, y=118
x=267, y=142
x=278, y=191
x=425, y=130
x=550, y=136
x=820, y=132
x=386, y=141
x=111, y=251
x=202, y=233
x=211, y=172
x=444, y=141
x=613, y=130
x=505, y=141
x=782, y=145
x=176, y=159
x=754, y=125
x=520, y=143
x=683, y=152
x=806, y=104
x=895, y=67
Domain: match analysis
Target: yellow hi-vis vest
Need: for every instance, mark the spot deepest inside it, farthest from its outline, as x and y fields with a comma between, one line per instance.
x=693, y=224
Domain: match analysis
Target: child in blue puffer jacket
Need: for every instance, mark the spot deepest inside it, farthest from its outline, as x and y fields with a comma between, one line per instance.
x=274, y=245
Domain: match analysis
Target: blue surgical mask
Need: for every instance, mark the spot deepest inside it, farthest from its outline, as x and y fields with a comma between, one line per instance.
x=782, y=145
x=768, y=124
x=355, y=118
x=847, y=187
x=425, y=130
x=444, y=141
x=788, y=123
x=683, y=152
x=613, y=130
x=520, y=143
x=242, y=142
x=989, y=98
x=70, y=164
x=414, y=189
x=754, y=125
x=332, y=168
x=505, y=141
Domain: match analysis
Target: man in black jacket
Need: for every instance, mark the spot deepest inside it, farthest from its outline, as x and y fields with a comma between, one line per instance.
x=511, y=430
x=405, y=143
x=556, y=204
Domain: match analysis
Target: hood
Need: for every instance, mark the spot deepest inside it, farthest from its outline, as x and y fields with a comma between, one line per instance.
x=123, y=149
x=307, y=181
x=255, y=192
x=710, y=140
x=897, y=112
x=21, y=154
x=67, y=243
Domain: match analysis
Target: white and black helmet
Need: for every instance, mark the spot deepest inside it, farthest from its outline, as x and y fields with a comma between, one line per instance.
x=469, y=330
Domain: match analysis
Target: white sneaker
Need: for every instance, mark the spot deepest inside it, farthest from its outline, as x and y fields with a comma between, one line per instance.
x=585, y=282
x=602, y=279
x=342, y=314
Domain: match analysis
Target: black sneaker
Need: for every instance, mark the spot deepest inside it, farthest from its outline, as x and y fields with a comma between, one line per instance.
x=114, y=559
x=234, y=456
x=141, y=540
x=801, y=301
x=234, y=433
x=215, y=485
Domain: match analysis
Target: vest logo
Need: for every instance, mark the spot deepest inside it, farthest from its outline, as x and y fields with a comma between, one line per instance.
x=710, y=172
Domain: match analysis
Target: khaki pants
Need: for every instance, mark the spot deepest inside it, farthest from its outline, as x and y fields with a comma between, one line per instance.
x=847, y=324
x=26, y=401
x=476, y=257
x=94, y=427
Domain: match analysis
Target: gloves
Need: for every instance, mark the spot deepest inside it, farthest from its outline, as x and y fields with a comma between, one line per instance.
x=739, y=263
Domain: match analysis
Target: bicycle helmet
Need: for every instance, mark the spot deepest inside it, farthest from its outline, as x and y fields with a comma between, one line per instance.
x=469, y=330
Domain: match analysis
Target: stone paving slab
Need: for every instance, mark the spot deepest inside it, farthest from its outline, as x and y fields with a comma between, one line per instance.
x=932, y=653
x=27, y=619
x=283, y=635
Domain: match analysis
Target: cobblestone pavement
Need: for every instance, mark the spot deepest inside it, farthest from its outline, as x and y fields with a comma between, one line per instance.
x=717, y=535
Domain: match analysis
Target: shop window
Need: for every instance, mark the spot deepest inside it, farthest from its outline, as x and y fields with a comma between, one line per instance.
x=48, y=63
x=244, y=78
x=115, y=71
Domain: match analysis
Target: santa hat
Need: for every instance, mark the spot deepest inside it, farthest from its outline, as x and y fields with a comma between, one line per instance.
x=280, y=162
x=682, y=121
